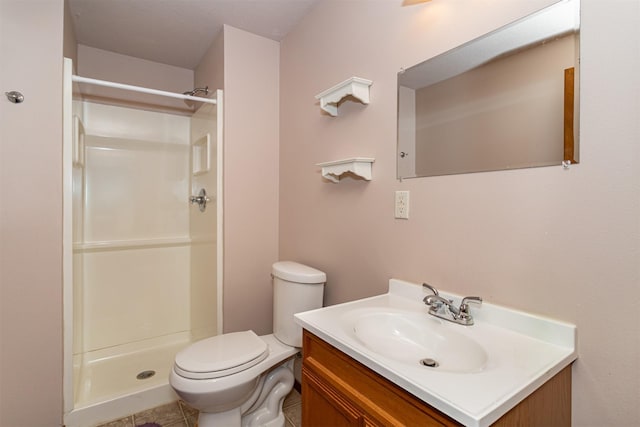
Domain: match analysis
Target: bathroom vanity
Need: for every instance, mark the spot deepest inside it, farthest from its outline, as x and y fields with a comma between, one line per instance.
x=361, y=365
x=339, y=391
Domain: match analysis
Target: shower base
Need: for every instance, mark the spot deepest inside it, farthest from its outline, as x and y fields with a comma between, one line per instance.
x=115, y=382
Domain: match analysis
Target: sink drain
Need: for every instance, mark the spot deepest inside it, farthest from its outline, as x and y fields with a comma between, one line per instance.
x=429, y=363
x=145, y=374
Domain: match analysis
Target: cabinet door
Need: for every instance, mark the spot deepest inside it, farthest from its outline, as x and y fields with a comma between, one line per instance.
x=358, y=395
x=330, y=408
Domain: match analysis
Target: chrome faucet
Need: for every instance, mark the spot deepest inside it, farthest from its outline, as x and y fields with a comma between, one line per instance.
x=444, y=308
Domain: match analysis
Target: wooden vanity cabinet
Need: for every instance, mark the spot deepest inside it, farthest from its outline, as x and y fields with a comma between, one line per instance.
x=339, y=391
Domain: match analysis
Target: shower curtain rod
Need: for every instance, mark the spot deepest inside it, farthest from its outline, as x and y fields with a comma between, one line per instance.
x=96, y=82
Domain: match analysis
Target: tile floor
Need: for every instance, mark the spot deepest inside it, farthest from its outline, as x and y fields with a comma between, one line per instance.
x=179, y=414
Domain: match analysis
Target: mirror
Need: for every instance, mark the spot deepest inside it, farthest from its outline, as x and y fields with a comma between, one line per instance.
x=506, y=100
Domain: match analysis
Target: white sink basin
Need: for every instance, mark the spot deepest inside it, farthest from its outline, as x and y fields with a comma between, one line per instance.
x=418, y=340
x=483, y=370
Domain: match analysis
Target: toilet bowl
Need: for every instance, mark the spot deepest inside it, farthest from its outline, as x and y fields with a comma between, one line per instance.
x=240, y=378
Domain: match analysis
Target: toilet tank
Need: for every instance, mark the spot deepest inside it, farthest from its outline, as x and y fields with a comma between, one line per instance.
x=296, y=288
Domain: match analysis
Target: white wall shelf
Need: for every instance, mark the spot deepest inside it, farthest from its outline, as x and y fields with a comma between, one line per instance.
x=355, y=86
x=360, y=166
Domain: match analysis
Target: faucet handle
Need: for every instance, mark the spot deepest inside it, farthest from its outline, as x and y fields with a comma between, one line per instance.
x=464, y=306
x=435, y=303
x=433, y=300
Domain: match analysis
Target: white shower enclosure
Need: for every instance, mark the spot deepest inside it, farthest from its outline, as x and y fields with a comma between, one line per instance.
x=142, y=263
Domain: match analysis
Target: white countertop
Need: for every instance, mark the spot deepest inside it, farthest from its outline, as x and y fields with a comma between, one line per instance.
x=523, y=352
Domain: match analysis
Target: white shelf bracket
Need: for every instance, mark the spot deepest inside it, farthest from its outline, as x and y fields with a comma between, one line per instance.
x=360, y=166
x=355, y=86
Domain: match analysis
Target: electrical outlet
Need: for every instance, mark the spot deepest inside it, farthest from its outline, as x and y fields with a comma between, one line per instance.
x=402, y=204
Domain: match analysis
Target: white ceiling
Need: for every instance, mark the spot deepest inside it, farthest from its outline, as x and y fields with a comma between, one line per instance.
x=178, y=32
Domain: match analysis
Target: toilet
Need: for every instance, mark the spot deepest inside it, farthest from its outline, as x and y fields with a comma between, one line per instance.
x=240, y=378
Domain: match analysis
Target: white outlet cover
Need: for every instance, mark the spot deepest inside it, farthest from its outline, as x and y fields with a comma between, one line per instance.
x=402, y=205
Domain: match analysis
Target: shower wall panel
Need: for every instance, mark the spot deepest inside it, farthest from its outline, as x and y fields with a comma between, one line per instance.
x=136, y=190
x=135, y=295
x=203, y=227
x=136, y=248
x=77, y=233
x=120, y=122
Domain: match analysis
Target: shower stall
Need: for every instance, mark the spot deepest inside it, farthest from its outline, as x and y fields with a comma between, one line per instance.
x=143, y=249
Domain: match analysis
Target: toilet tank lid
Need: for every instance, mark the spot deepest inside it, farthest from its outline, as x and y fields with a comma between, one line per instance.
x=299, y=273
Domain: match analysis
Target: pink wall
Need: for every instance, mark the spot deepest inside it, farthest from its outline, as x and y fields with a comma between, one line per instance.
x=31, y=214
x=70, y=44
x=550, y=241
x=251, y=134
x=210, y=70
x=104, y=65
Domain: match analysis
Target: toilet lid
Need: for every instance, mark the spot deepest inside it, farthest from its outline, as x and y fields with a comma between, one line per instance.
x=221, y=355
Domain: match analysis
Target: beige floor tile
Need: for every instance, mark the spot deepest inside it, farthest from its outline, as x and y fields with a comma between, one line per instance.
x=176, y=424
x=190, y=414
x=123, y=422
x=292, y=398
x=164, y=415
x=179, y=414
x=293, y=414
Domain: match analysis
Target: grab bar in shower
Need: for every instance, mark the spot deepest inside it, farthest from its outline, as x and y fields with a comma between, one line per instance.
x=80, y=79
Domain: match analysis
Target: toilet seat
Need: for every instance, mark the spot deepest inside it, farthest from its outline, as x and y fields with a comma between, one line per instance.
x=221, y=355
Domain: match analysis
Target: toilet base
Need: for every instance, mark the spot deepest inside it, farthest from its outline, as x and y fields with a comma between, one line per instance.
x=233, y=418
x=228, y=418
x=279, y=421
x=263, y=409
x=267, y=410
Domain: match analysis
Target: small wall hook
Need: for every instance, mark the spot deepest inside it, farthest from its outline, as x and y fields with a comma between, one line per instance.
x=15, y=97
